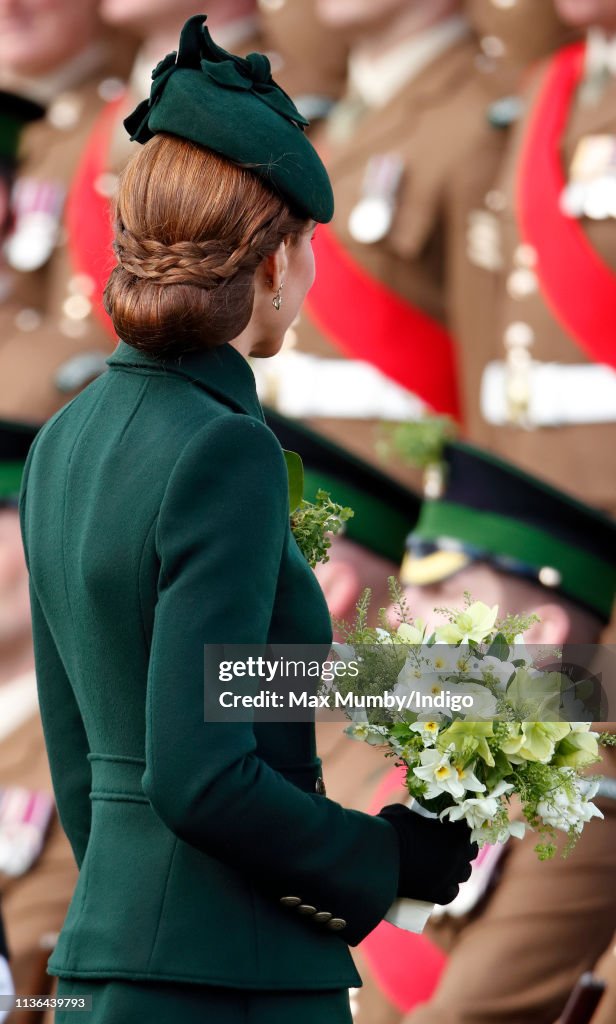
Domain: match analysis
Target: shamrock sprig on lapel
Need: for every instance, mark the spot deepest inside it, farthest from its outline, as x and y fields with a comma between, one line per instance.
x=313, y=523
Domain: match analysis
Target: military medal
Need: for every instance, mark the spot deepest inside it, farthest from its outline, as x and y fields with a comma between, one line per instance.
x=37, y=206
x=373, y=215
x=591, y=189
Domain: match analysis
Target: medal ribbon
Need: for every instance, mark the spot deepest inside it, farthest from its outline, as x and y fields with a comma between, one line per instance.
x=88, y=212
x=366, y=319
x=577, y=284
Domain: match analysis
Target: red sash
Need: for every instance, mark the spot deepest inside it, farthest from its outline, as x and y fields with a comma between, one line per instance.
x=365, y=319
x=579, y=287
x=88, y=213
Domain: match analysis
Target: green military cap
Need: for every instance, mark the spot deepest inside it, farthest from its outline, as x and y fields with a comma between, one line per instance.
x=384, y=509
x=233, y=106
x=15, y=113
x=15, y=441
x=489, y=510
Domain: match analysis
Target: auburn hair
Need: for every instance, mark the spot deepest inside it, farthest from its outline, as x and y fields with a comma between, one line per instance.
x=191, y=228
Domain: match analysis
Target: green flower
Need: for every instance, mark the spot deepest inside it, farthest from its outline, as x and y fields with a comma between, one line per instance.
x=536, y=694
x=469, y=739
x=577, y=750
x=475, y=623
x=534, y=741
x=413, y=635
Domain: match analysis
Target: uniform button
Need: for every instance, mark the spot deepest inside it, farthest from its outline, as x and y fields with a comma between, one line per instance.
x=492, y=46
x=65, y=112
x=306, y=909
x=521, y=283
x=504, y=5
x=336, y=924
x=319, y=786
x=519, y=335
x=322, y=917
x=271, y=6
x=77, y=307
x=291, y=901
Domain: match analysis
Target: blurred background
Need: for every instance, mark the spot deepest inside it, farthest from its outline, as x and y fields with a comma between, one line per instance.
x=453, y=372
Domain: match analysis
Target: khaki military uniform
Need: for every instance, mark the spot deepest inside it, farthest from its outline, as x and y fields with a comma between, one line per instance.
x=512, y=36
x=34, y=902
x=308, y=59
x=425, y=185
x=570, y=452
x=52, y=342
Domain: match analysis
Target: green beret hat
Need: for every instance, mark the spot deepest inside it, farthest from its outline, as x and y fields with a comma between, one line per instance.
x=15, y=112
x=232, y=106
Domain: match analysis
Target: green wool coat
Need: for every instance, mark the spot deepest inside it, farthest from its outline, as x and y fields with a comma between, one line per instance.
x=155, y=519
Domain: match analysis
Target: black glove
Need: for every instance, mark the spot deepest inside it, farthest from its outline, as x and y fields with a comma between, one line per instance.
x=435, y=856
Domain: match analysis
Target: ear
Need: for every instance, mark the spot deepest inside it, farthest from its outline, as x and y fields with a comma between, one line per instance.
x=552, y=629
x=274, y=267
x=341, y=586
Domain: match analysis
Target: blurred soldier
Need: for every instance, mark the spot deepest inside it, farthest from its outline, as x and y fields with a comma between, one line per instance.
x=541, y=381
x=15, y=113
x=383, y=285
x=510, y=540
x=513, y=36
x=309, y=58
x=54, y=53
x=379, y=294
x=366, y=554
x=606, y=971
x=37, y=871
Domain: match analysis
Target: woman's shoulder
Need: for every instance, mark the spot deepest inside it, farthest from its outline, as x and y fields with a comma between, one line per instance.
x=233, y=440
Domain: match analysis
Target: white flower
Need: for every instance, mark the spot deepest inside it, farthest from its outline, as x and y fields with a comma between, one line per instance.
x=428, y=729
x=484, y=702
x=475, y=623
x=490, y=834
x=408, y=633
x=476, y=811
x=361, y=729
x=497, y=670
x=569, y=808
x=441, y=776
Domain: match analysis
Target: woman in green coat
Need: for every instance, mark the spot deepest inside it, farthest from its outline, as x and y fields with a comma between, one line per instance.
x=217, y=881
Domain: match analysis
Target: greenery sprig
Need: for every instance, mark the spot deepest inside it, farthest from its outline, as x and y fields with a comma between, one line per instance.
x=315, y=523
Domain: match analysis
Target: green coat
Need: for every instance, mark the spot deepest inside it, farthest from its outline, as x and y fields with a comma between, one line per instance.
x=155, y=519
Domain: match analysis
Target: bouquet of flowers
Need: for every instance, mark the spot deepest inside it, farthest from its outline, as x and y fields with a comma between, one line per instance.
x=475, y=719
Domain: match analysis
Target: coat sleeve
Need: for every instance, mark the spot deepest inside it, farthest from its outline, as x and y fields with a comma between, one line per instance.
x=65, y=736
x=222, y=527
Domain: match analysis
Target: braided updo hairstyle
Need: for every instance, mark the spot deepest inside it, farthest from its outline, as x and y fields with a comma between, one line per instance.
x=191, y=228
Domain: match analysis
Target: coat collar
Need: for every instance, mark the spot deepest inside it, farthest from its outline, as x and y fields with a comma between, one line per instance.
x=221, y=371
